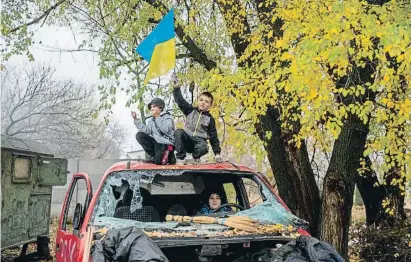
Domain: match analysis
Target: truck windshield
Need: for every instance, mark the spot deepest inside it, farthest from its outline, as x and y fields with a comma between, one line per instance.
x=148, y=196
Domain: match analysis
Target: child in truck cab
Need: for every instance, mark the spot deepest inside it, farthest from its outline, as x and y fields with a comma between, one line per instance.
x=215, y=199
x=157, y=137
x=199, y=126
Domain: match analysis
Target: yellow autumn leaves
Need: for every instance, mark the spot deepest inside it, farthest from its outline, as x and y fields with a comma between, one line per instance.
x=331, y=59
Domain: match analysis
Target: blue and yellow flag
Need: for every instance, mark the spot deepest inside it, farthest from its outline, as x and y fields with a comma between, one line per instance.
x=158, y=48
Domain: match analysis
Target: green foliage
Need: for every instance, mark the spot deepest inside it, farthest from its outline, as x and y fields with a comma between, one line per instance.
x=330, y=59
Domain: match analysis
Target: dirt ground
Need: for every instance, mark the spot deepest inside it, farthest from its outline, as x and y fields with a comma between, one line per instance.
x=9, y=254
x=358, y=216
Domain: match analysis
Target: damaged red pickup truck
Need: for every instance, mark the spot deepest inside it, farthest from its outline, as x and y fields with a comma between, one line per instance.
x=141, y=195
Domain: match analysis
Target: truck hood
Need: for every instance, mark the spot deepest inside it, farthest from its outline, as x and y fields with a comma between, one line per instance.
x=181, y=233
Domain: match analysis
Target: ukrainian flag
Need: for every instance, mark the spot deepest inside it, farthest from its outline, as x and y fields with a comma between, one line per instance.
x=158, y=48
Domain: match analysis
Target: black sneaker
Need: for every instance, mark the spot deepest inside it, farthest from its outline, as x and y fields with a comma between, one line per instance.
x=172, y=158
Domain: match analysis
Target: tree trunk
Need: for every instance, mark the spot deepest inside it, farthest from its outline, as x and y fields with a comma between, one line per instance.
x=395, y=197
x=339, y=183
x=393, y=178
x=292, y=171
x=373, y=194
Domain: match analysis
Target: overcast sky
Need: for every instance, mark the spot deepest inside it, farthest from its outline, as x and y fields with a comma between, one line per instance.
x=81, y=66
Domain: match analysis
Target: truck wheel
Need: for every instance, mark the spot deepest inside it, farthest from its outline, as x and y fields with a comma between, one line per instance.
x=43, y=249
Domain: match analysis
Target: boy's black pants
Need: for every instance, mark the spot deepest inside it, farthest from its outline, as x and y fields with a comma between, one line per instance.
x=154, y=149
x=186, y=144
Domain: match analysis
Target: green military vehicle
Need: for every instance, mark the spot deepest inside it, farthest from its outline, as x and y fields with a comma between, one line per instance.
x=28, y=173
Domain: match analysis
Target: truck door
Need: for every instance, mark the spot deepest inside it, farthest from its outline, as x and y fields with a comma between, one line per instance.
x=76, y=203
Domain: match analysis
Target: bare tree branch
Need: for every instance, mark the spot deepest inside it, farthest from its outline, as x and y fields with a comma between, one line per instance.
x=60, y=50
x=38, y=19
x=58, y=113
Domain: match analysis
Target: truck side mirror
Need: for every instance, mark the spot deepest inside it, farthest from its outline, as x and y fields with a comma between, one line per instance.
x=78, y=211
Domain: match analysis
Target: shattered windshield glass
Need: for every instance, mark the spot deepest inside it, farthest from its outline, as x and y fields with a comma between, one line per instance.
x=119, y=182
x=143, y=198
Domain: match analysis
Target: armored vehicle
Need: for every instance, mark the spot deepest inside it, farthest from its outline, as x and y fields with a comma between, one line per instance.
x=28, y=173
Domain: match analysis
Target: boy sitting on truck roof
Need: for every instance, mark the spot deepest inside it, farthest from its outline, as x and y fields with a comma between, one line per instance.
x=157, y=137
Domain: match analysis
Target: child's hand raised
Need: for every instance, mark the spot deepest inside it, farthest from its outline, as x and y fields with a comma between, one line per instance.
x=134, y=114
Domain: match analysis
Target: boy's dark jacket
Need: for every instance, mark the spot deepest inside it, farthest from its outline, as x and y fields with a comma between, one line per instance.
x=198, y=123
